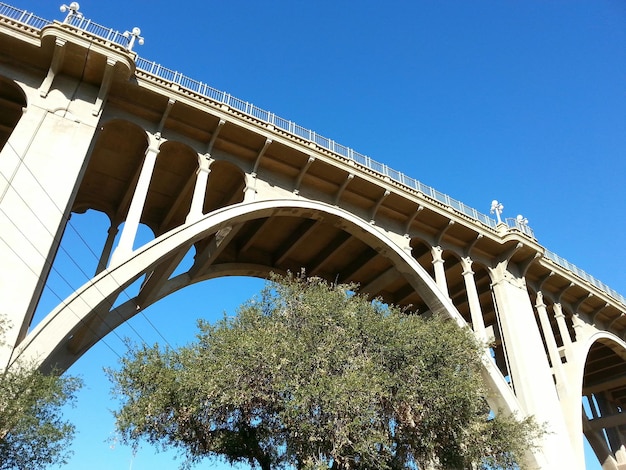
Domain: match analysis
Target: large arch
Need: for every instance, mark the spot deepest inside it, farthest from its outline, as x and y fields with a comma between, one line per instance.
x=46, y=342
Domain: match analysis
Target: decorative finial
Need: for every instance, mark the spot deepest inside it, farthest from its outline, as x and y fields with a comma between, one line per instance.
x=133, y=35
x=496, y=208
x=73, y=11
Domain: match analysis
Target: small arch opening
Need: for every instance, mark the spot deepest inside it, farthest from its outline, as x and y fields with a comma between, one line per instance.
x=12, y=104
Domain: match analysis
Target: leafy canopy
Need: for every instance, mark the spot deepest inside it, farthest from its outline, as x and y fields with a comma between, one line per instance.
x=33, y=434
x=315, y=376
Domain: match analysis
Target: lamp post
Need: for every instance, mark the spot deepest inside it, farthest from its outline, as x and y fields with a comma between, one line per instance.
x=132, y=36
x=73, y=11
x=497, y=208
x=522, y=224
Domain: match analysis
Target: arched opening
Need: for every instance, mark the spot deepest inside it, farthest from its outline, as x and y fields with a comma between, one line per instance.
x=12, y=104
x=225, y=187
x=114, y=163
x=346, y=231
x=252, y=239
x=604, y=401
x=171, y=187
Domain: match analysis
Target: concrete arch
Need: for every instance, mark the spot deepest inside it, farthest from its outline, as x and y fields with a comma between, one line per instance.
x=47, y=340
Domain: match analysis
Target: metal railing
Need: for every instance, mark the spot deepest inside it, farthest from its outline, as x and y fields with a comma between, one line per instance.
x=520, y=224
x=108, y=34
x=203, y=90
x=22, y=16
x=562, y=262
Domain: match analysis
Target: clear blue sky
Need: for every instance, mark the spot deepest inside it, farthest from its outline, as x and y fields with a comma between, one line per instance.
x=524, y=102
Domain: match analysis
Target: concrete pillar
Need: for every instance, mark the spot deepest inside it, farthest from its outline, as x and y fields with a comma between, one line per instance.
x=440, y=273
x=530, y=372
x=127, y=238
x=560, y=321
x=478, y=323
x=40, y=166
x=199, y=190
x=553, y=349
x=108, y=246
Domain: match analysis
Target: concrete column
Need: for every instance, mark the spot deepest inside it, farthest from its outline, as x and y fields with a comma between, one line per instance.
x=40, y=167
x=440, y=273
x=530, y=371
x=108, y=246
x=199, y=190
x=478, y=323
x=560, y=321
x=127, y=239
x=553, y=349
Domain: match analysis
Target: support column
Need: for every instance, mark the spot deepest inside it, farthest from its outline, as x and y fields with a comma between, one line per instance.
x=560, y=321
x=127, y=239
x=440, y=273
x=478, y=323
x=553, y=349
x=530, y=372
x=40, y=167
x=199, y=190
x=108, y=246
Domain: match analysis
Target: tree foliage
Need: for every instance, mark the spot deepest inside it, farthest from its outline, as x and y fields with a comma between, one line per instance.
x=311, y=375
x=33, y=434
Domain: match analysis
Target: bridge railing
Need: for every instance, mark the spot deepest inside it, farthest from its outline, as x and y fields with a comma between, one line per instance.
x=108, y=34
x=23, y=16
x=583, y=275
x=204, y=90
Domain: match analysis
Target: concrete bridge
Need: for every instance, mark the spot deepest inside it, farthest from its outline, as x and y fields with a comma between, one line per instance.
x=85, y=124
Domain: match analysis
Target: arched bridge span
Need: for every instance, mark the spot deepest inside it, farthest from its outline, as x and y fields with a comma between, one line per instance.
x=84, y=128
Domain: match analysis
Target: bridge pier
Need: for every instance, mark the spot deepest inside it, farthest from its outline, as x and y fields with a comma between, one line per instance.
x=531, y=375
x=40, y=165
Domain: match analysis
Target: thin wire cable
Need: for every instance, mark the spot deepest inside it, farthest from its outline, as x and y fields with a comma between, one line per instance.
x=68, y=222
x=61, y=300
x=52, y=264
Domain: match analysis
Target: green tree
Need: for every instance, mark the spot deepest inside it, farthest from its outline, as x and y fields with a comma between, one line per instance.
x=33, y=434
x=311, y=375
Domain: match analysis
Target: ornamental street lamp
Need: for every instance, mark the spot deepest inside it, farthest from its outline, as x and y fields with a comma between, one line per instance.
x=496, y=208
x=73, y=11
x=133, y=35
